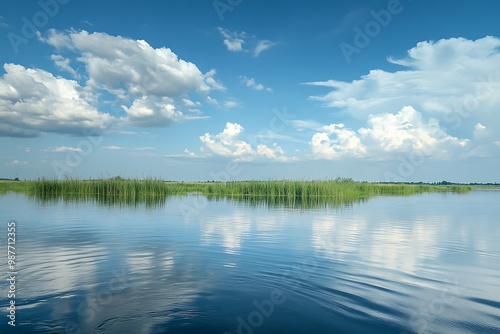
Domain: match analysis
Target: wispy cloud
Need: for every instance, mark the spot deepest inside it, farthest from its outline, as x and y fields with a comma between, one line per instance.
x=62, y=149
x=273, y=136
x=233, y=40
x=18, y=162
x=2, y=22
x=63, y=64
x=113, y=148
x=262, y=46
x=120, y=148
x=211, y=100
x=250, y=82
x=214, y=84
x=187, y=154
x=189, y=103
x=231, y=103
x=305, y=124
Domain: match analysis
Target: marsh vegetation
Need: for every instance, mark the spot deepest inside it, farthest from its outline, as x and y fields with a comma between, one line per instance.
x=288, y=193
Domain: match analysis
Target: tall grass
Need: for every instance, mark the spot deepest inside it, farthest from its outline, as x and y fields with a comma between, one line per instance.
x=118, y=191
x=17, y=186
x=113, y=187
x=288, y=193
x=339, y=188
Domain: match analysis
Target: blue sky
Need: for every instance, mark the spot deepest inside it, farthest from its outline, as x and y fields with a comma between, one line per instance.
x=218, y=90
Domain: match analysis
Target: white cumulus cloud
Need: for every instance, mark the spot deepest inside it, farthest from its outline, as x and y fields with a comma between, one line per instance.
x=149, y=83
x=336, y=141
x=152, y=112
x=229, y=144
x=454, y=80
x=33, y=101
x=388, y=134
x=131, y=68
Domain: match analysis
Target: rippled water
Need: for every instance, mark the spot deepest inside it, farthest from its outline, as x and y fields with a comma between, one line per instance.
x=421, y=264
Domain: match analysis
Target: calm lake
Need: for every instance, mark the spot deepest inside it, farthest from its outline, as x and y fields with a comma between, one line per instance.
x=420, y=264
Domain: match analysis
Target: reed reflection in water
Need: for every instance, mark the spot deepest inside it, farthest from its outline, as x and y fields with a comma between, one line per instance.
x=154, y=202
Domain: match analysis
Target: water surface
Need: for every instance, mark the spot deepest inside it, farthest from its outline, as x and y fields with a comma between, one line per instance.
x=420, y=264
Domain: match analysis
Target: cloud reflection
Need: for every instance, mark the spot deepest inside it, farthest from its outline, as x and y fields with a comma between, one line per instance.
x=399, y=245
x=226, y=230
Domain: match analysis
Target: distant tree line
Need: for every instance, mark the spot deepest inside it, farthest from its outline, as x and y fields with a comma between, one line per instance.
x=446, y=183
x=443, y=183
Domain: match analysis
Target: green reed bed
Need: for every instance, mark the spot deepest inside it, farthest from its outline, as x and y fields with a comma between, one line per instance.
x=290, y=202
x=289, y=193
x=17, y=186
x=273, y=188
x=339, y=188
x=104, y=200
x=111, y=191
x=113, y=187
x=315, y=194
